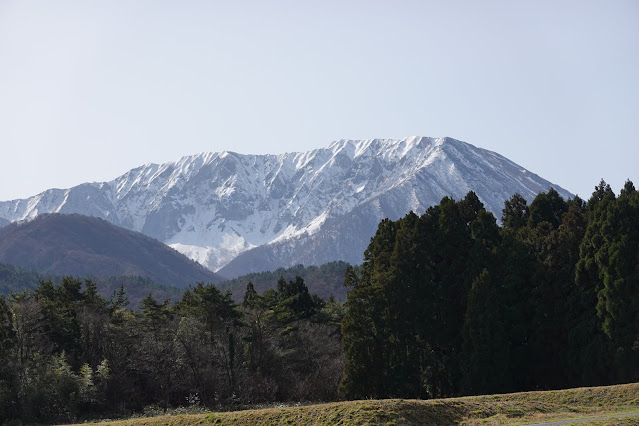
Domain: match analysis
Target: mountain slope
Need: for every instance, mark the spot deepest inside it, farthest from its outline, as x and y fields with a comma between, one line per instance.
x=86, y=246
x=238, y=214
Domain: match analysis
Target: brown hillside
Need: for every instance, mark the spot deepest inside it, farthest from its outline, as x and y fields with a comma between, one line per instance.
x=86, y=246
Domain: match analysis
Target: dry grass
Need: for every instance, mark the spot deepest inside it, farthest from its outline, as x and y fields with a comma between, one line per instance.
x=516, y=408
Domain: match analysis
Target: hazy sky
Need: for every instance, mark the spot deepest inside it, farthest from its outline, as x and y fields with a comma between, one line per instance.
x=91, y=89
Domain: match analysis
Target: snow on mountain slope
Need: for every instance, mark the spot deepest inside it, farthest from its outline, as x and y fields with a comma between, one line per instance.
x=258, y=212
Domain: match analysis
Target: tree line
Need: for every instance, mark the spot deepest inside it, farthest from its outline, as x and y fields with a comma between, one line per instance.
x=67, y=353
x=449, y=303
x=15, y=279
x=325, y=280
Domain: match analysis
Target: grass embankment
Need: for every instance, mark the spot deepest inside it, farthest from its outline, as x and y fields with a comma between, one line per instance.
x=516, y=408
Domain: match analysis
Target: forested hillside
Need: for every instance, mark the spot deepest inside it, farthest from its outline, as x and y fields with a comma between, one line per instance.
x=324, y=280
x=447, y=303
x=14, y=279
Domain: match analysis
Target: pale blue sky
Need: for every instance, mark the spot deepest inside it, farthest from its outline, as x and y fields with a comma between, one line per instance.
x=91, y=89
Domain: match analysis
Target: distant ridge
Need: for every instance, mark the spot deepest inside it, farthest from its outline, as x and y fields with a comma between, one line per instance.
x=238, y=214
x=87, y=246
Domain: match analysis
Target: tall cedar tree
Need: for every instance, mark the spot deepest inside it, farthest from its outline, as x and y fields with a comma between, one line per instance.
x=448, y=303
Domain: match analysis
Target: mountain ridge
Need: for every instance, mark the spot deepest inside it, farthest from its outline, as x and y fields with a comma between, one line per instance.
x=240, y=213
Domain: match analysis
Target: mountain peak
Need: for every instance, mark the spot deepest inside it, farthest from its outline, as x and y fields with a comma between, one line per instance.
x=246, y=213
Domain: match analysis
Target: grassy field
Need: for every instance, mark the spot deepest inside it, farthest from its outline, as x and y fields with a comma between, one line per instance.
x=516, y=408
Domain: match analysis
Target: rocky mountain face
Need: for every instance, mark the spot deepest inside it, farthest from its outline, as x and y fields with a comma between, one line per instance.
x=87, y=246
x=238, y=214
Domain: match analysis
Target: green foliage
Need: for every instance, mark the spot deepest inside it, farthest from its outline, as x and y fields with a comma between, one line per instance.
x=515, y=213
x=486, y=348
x=294, y=299
x=547, y=207
x=53, y=392
x=14, y=280
x=448, y=303
x=331, y=313
x=322, y=280
x=291, y=342
x=407, y=309
x=7, y=327
x=618, y=305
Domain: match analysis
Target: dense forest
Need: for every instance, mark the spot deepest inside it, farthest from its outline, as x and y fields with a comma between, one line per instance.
x=446, y=303
x=449, y=303
x=325, y=280
x=66, y=353
x=14, y=279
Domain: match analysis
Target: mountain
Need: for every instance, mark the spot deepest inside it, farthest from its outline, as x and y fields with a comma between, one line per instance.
x=87, y=246
x=238, y=214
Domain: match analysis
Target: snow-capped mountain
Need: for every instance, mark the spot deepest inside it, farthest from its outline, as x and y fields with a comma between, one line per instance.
x=239, y=213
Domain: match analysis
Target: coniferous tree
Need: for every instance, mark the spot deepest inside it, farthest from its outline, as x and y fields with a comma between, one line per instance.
x=485, y=347
x=596, y=358
x=486, y=353
x=156, y=360
x=452, y=246
x=515, y=213
x=618, y=306
x=547, y=207
x=8, y=406
x=295, y=299
x=514, y=273
x=402, y=314
x=218, y=315
x=402, y=331
x=257, y=349
x=363, y=331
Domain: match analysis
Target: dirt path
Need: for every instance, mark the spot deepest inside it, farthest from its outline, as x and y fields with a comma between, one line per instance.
x=584, y=420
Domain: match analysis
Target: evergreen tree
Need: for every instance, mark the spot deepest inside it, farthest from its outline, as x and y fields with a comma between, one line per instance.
x=618, y=305
x=515, y=213
x=295, y=300
x=363, y=332
x=596, y=357
x=218, y=313
x=157, y=358
x=402, y=314
x=59, y=307
x=514, y=274
x=451, y=284
x=547, y=207
x=250, y=295
x=257, y=350
x=8, y=397
x=486, y=348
